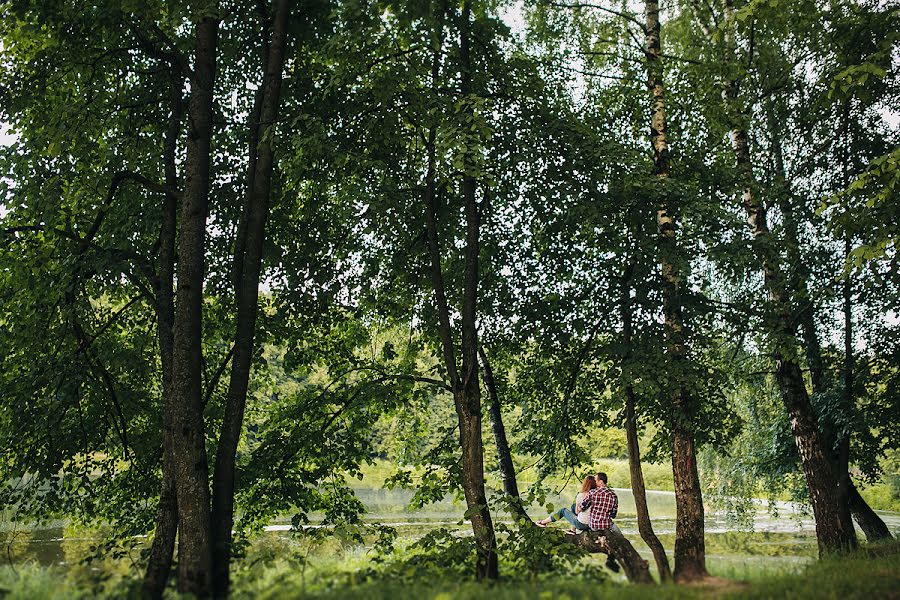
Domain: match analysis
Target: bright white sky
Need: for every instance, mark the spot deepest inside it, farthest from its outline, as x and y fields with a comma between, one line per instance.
x=5, y=137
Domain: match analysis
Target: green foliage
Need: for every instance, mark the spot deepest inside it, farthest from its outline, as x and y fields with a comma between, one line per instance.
x=32, y=581
x=531, y=552
x=869, y=211
x=885, y=493
x=438, y=554
x=350, y=375
x=870, y=574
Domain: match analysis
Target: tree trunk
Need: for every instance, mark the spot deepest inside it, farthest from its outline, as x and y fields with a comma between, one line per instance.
x=814, y=457
x=645, y=527
x=504, y=456
x=159, y=565
x=240, y=243
x=868, y=521
x=467, y=390
x=608, y=541
x=189, y=460
x=856, y=507
x=468, y=409
x=247, y=295
x=690, y=552
x=830, y=530
x=798, y=280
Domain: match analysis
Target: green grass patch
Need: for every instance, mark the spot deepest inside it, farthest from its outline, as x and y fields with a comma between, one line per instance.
x=26, y=582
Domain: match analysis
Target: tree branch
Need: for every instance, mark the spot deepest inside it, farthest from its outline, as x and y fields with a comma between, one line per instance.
x=628, y=17
x=117, y=180
x=152, y=48
x=214, y=381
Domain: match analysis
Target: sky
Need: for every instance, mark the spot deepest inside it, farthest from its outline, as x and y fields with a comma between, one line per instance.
x=5, y=137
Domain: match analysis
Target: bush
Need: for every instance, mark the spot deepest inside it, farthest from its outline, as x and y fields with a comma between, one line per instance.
x=882, y=496
x=30, y=581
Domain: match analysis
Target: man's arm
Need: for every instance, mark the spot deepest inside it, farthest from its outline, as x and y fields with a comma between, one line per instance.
x=588, y=499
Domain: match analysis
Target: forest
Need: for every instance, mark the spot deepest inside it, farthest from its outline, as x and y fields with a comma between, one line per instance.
x=342, y=298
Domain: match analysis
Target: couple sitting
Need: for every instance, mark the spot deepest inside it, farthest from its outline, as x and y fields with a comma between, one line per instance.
x=594, y=509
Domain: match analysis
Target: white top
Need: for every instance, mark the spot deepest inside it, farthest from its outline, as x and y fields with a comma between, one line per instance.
x=585, y=515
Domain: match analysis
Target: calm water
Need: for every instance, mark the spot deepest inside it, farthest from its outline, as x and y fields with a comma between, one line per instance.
x=390, y=506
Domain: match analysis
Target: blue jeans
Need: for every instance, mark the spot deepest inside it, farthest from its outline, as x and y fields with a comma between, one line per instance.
x=569, y=515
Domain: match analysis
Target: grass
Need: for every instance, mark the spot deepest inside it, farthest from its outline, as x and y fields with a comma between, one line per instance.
x=28, y=582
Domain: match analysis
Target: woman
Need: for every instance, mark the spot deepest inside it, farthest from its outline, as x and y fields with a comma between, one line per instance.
x=579, y=519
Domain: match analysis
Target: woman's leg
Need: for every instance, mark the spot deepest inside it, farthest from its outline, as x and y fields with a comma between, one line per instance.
x=573, y=519
x=556, y=516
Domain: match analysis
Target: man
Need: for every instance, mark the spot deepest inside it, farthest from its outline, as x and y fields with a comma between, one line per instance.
x=604, y=506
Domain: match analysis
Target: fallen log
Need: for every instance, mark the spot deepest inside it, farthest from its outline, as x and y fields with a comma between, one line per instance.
x=613, y=543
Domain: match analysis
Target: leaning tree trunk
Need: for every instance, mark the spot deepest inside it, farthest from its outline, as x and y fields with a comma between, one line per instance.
x=645, y=527
x=189, y=460
x=868, y=521
x=798, y=280
x=504, y=456
x=159, y=565
x=831, y=533
x=830, y=530
x=690, y=552
x=611, y=542
x=842, y=448
x=249, y=256
x=805, y=316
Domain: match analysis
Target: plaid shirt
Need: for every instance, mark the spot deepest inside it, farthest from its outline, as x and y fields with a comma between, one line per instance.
x=604, y=507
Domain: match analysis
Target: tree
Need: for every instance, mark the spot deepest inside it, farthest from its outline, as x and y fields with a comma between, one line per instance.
x=463, y=377
x=247, y=267
x=690, y=561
